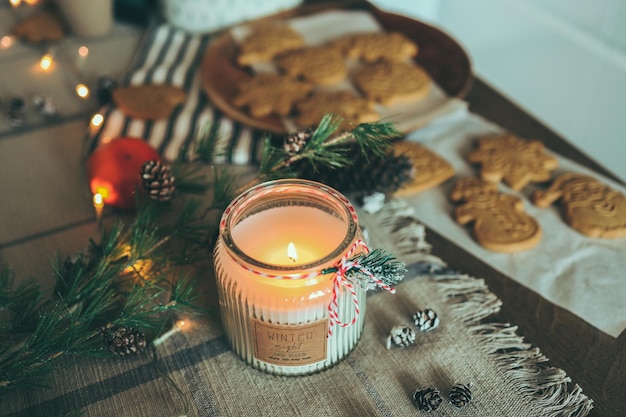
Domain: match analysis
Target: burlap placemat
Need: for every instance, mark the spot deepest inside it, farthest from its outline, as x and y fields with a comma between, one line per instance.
x=196, y=374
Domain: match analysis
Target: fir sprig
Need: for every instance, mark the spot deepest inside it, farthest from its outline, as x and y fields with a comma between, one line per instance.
x=382, y=265
x=131, y=277
x=324, y=149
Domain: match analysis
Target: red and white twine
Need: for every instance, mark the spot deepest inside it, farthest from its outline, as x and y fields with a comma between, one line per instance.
x=340, y=279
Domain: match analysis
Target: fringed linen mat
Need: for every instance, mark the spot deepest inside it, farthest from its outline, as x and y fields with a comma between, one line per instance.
x=196, y=373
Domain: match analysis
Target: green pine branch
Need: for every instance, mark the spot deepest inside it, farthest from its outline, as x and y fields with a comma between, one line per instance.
x=132, y=276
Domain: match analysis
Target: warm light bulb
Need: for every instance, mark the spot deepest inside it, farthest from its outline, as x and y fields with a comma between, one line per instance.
x=82, y=91
x=31, y=2
x=291, y=252
x=45, y=63
x=6, y=41
x=15, y=3
x=98, y=201
x=180, y=324
x=97, y=120
x=83, y=51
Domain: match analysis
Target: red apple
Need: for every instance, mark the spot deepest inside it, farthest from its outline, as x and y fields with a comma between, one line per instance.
x=114, y=170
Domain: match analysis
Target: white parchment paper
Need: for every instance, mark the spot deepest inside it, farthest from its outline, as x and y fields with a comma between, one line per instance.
x=586, y=276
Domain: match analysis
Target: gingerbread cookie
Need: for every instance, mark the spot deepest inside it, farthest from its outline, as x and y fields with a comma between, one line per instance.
x=587, y=205
x=514, y=160
x=499, y=221
x=322, y=65
x=389, y=82
x=40, y=27
x=353, y=109
x=265, y=41
x=150, y=101
x=430, y=169
x=266, y=93
x=371, y=47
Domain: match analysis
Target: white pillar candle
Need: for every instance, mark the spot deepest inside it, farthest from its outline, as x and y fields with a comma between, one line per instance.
x=274, y=305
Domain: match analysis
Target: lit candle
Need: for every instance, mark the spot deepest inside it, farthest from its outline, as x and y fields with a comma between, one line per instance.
x=275, y=242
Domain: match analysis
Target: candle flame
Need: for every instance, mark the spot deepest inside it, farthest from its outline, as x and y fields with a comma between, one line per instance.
x=291, y=252
x=82, y=91
x=45, y=63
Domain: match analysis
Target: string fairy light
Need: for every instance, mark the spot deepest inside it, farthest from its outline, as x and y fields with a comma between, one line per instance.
x=82, y=90
x=177, y=327
x=96, y=120
x=98, y=205
x=46, y=61
x=6, y=42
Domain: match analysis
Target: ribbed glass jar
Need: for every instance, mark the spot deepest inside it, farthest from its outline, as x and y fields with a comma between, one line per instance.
x=274, y=303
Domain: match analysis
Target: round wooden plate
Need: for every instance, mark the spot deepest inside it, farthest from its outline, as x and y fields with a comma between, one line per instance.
x=440, y=55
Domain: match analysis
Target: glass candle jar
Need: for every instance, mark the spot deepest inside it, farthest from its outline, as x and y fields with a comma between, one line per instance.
x=283, y=311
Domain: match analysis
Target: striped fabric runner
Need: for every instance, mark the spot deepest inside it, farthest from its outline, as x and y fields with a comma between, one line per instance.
x=172, y=56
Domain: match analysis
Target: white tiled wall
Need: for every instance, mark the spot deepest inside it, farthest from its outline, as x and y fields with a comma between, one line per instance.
x=564, y=61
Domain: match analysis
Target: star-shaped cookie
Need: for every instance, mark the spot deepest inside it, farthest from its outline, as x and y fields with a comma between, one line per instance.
x=268, y=93
x=513, y=160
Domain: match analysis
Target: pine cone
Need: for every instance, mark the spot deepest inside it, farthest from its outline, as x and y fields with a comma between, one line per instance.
x=157, y=180
x=460, y=395
x=426, y=320
x=427, y=399
x=123, y=341
x=366, y=175
x=402, y=336
x=296, y=141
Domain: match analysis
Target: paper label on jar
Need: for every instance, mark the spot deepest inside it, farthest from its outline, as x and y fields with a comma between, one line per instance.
x=289, y=345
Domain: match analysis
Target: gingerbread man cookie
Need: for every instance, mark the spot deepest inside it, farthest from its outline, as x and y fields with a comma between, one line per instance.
x=149, y=101
x=430, y=169
x=371, y=47
x=587, y=205
x=265, y=41
x=499, y=221
x=514, y=160
x=267, y=93
x=322, y=65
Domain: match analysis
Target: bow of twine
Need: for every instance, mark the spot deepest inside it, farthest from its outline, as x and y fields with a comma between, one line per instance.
x=341, y=270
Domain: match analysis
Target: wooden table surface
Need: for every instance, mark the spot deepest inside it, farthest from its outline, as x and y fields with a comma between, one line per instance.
x=593, y=359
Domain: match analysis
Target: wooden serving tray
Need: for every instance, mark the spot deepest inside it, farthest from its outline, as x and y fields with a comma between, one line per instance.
x=441, y=56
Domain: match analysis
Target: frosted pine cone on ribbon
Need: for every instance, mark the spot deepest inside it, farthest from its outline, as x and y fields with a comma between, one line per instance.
x=460, y=395
x=426, y=320
x=157, y=180
x=296, y=141
x=427, y=399
x=402, y=336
